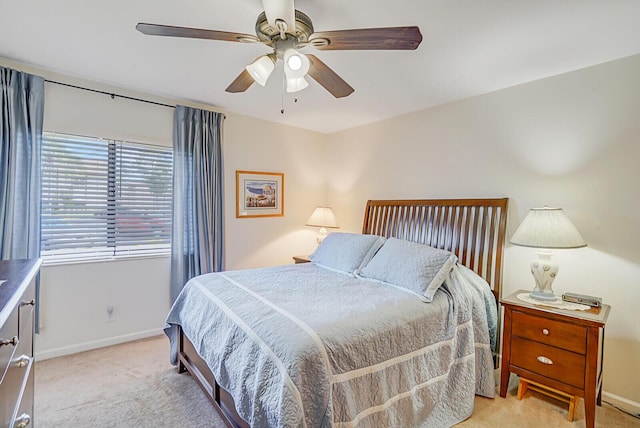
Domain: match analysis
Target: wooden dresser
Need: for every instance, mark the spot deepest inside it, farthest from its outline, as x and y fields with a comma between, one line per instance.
x=17, y=302
x=558, y=348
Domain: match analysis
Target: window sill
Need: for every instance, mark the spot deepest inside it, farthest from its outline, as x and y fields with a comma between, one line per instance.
x=110, y=259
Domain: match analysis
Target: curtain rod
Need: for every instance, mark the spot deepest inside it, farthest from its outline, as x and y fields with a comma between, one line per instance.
x=111, y=94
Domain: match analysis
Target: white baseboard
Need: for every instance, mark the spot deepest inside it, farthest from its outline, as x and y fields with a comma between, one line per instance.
x=95, y=344
x=628, y=405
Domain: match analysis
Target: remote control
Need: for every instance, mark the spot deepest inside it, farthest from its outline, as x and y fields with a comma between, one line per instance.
x=583, y=299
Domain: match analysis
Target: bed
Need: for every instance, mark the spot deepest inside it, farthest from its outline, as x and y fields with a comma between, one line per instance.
x=348, y=340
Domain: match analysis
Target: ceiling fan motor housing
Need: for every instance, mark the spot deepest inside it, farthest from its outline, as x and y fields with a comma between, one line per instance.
x=269, y=35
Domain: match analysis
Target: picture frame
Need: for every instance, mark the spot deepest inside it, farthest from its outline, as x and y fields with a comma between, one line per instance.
x=259, y=194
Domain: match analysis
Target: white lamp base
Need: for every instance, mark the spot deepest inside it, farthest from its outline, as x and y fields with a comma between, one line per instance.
x=322, y=233
x=544, y=271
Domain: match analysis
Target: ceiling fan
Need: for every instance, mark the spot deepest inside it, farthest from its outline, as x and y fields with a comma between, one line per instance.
x=286, y=30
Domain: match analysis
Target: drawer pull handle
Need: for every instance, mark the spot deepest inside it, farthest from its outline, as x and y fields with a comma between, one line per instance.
x=13, y=341
x=545, y=360
x=545, y=332
x=22, y=361
x=31, y=302
x=23, y=421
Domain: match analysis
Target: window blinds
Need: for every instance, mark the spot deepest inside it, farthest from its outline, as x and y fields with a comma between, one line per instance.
x=104, y=198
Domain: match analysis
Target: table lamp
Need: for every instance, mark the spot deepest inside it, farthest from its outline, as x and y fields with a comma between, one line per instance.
x=546, y=228
x=322, y=217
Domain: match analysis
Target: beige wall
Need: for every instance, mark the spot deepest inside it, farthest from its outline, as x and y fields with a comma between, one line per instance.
x=254, y=145
x=569, y=141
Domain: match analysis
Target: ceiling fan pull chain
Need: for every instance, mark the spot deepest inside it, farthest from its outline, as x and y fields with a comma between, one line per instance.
x=284, y=82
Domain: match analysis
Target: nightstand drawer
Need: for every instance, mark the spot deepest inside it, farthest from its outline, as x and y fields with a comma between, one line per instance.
x=548, y=361
x=550, y=332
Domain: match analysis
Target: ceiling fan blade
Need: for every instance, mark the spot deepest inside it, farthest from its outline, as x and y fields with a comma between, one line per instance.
x=280, y=9
x=328, y=78
x=241, y=83
x=386, y=38
x=194, y=33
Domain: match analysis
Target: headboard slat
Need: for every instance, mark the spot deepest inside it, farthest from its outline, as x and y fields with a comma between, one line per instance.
x=483, y=234
x=491, y=243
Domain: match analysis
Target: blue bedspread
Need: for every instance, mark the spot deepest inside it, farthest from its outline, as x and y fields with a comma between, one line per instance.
x=304, y=346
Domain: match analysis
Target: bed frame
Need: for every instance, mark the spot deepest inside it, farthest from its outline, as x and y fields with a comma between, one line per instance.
x=472, y=229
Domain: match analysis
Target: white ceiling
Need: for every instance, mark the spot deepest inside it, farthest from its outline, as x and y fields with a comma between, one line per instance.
x=469, y=47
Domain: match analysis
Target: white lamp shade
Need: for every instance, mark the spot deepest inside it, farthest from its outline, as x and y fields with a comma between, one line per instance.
x=296, y=65
x=322, y=217
x=261, y=69
x=296, y=84
x=547, y=228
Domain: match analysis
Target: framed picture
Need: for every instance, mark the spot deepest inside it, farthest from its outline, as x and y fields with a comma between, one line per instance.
x=259, y=194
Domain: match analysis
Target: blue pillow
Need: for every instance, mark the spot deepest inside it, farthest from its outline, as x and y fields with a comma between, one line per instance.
x=346, y=252
x=419, y=268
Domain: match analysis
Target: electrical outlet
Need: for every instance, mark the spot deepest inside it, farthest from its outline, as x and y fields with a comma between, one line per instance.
x=111, y=313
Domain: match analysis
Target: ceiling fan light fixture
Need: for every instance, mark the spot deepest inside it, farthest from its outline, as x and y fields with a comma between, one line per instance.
x=296, y=65
x=261, y=68
x=295, y=84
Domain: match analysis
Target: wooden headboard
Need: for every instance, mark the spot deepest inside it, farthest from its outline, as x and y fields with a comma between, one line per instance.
x=472, y=229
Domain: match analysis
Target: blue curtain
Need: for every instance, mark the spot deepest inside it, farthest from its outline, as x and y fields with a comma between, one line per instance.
x=197, y=237
x=21, y=117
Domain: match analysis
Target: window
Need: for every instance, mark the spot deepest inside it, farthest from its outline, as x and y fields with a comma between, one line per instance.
x=103, y=199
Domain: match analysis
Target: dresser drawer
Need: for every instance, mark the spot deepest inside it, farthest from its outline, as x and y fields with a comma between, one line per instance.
x=24, y=412
x=8, y=342
x=563, y=335
x=549, y=361
x=13, y=386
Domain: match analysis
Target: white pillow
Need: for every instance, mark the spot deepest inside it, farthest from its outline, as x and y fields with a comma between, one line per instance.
x=346, y=252
x=419, y=268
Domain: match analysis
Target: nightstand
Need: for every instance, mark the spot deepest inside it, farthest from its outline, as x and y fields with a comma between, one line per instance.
x=301, y=259
x=556, y=348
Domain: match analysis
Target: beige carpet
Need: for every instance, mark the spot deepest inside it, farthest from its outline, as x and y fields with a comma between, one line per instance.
x=133, y=385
